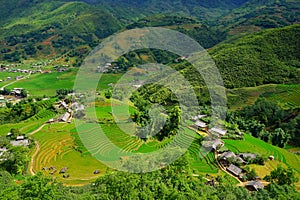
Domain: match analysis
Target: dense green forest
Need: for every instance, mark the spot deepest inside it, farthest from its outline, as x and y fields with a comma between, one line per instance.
x=270, y=56
x=269, y=122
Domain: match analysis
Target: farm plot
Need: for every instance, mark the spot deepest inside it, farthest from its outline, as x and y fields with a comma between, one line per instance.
x=57, y=148
x=46, y=84
x=285, y=95
x=30, y=124
x=201, y=161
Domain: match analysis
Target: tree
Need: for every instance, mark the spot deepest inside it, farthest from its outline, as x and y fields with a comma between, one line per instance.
x=280, y=138
x=14, y=133
x=108, y=94
x=282, y=176
x=251, y=175
x=38, y=187
x=23, y=93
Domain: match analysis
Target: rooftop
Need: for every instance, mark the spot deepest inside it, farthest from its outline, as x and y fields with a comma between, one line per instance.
x=200, y=124
x=20, y=143
x=255, y=184
x=219, y=131
x=234, y=170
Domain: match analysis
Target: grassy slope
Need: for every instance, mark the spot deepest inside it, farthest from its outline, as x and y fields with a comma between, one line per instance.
x=254, y=145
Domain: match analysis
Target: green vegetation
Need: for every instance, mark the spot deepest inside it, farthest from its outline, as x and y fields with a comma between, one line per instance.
x=176, y=182
x=285, y=95
x=26, y=109
x=61, y=33
x=256, y=15
x=254, y=145
x=282, y=176
x=270, y=56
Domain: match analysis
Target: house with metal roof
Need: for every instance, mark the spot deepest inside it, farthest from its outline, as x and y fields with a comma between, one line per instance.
x=218, y=131
x=234, y=170
x=254, y=185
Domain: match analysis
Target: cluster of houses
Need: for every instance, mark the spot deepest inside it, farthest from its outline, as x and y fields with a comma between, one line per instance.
x=67, y=116
x=104, y=69
x=19, y=141
x=215, y=131
x=228, y=159
x=52, y=170
x=17, y=91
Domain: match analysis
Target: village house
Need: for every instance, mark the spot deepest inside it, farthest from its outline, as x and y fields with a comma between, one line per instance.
x=254, y=185
x=19, y=77
x=200, y=125
x=63, y=170
x=234, y=170
x=104, y=69
x=65, y=117
x=17, y=91
x=77, y=107
x=64, y=105
x=20, y=143
x=2, y=100
x=218, y=131
x=228, y=157
x=247, y=156
x=21, y=137
x=50, y=121
x=214, y=144
x=195, y=118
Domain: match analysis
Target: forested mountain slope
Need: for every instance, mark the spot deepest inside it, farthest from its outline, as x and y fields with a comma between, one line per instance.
x=256, y=15
x=271, y=56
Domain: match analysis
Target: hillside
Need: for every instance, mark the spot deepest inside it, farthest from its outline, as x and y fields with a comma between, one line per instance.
x=202, y=9
x=50, y=28
x=271, y=56
x=46, y=29
x=256, y=15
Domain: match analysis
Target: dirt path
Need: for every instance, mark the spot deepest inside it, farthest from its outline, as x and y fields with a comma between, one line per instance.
x=37, y=130
x=38, y=147
x=2, y=88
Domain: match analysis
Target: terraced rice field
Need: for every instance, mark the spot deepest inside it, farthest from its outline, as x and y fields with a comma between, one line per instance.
x=57, y=148
x=285, y=95
x=202, y=162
